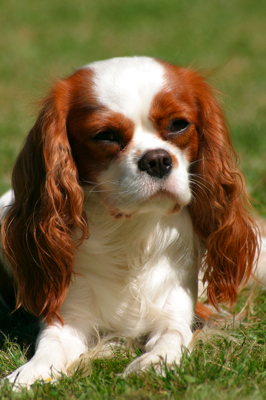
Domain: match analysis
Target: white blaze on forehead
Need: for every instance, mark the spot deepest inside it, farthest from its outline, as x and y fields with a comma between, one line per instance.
x=128, y=85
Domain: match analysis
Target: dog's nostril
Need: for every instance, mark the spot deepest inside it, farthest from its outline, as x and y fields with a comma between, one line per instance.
x=156, y=163
x=167, y=160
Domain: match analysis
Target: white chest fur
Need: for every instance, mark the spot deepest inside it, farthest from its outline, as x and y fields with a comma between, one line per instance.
x=129, y=269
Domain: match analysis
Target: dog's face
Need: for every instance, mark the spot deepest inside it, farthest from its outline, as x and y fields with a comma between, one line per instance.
x=132, y=125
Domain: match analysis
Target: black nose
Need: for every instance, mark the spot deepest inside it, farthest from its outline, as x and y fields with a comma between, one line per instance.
x=156, y=163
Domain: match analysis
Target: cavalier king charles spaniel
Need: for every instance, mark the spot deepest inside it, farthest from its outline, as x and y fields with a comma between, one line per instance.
x=127, y=186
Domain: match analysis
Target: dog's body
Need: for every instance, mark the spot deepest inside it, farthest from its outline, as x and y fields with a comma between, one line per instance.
x=126, y=184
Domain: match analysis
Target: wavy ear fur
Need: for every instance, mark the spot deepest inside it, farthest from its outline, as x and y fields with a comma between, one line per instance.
x=36, y=231
x=220, y=209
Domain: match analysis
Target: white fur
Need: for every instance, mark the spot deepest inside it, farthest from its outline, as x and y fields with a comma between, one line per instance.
x=128, y=85
x=5, y=201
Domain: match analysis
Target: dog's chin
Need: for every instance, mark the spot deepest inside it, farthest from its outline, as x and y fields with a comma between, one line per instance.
x=163, y=203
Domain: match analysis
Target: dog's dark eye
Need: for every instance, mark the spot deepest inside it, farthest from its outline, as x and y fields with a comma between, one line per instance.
x=107, y=136
x=179, y=125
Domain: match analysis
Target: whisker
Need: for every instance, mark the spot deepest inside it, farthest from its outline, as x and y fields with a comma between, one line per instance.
x=204, y=159
x=201, y=185
x=101, y=183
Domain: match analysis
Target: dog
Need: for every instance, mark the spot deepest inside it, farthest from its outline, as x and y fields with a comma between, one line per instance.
x=127, y=186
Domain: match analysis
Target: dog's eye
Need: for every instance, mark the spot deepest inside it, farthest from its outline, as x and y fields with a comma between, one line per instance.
x=107, y=136
x=178, y=125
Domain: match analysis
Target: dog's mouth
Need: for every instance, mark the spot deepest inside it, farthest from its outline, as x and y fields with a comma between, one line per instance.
x=162, y=201
x=161, y=194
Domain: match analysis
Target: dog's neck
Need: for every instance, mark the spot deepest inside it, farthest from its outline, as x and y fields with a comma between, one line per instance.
x=132, y=241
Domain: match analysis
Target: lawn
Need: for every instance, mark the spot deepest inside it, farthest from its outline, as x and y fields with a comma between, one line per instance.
x=43, y=40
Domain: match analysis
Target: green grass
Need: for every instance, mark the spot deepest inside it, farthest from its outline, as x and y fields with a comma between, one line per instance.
x=40, y=40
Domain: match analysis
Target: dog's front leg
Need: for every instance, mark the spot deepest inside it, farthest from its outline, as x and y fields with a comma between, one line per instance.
x=173, y=332
x=57, y=347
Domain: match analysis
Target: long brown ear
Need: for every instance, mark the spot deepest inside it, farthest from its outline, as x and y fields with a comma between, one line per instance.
x=220, y=209
x=36, y=231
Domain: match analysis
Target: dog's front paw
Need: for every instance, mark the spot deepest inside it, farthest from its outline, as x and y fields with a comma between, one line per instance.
x=143, y=363
x=163, y=351
x=152, y=359
x=32, y=371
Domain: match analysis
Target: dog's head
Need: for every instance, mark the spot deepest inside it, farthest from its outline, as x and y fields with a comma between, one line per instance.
x=144, y=136
x=133, y=127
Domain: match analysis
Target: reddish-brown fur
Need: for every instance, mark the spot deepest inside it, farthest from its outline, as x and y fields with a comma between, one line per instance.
x=203, y=312
x=54, y=163
x=36, y=232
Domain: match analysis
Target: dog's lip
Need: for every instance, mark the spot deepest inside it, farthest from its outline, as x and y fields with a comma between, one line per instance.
x=164, y=195
x=161, y=194
x=162, y=198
